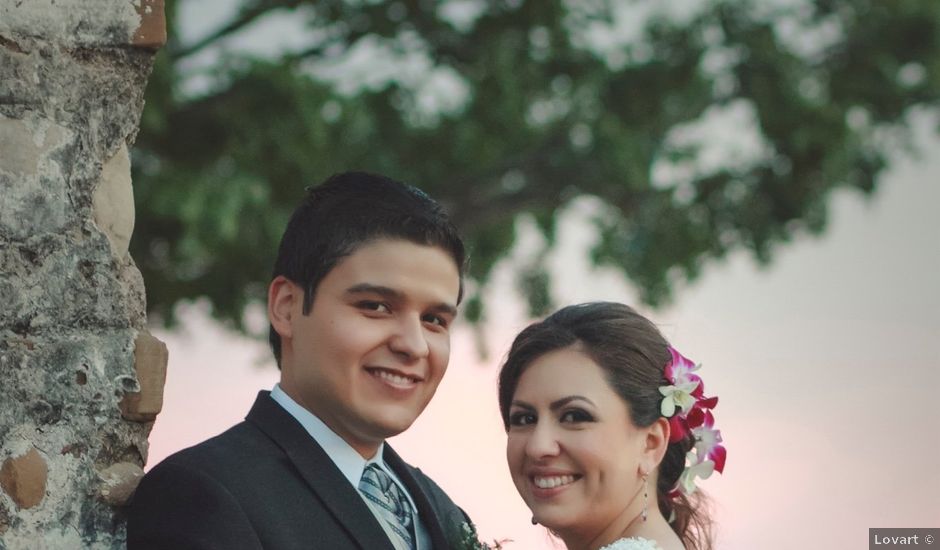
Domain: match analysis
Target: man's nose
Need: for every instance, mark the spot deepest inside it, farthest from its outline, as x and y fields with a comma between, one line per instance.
x=410, y=339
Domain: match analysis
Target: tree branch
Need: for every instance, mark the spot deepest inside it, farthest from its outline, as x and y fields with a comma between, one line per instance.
x=247, y=16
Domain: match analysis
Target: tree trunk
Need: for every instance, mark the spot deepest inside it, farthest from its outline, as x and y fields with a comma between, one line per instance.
x=80, y=379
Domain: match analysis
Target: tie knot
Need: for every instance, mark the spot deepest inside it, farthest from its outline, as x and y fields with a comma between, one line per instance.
x=378, y=478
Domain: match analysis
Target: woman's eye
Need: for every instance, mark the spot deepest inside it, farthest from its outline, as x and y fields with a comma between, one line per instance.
x=521, y=419
x=576, y=416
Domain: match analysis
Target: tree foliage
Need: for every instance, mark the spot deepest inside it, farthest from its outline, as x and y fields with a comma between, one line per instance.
x=503, y=108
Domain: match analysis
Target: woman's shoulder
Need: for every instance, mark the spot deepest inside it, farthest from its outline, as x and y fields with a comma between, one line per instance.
x=632, y=543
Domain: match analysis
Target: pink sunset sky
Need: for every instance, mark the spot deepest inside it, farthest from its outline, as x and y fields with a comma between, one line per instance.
x=826, y=364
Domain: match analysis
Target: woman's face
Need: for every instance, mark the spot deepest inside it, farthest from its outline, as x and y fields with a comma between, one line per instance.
x=573, y=451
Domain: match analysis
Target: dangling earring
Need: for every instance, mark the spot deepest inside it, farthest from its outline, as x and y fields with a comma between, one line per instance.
x=646, y=500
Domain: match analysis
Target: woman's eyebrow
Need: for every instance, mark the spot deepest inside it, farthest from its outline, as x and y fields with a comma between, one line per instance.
x=559, y=403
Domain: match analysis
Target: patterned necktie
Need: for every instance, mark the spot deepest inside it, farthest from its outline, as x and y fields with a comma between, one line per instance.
x=389, y=501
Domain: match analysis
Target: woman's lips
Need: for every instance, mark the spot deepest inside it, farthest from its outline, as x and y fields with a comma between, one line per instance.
x=546, y=485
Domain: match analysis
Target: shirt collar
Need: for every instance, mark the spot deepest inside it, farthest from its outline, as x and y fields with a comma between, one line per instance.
x=349, y=462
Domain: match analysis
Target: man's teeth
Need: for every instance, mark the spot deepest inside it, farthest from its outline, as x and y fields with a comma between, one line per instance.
x=553, y=481
x=394, y=378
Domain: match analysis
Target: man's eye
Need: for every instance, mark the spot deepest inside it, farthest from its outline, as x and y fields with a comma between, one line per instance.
x=378, y=307
x=521, y=419
x=576, y=416
x=436, y=320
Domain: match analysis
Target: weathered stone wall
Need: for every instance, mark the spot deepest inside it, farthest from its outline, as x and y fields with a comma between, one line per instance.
x=80, y=379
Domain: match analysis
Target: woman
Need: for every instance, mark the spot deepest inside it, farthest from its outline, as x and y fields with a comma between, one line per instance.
x=608, y=429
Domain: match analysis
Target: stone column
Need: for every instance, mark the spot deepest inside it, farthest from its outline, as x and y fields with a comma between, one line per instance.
x=80, y=379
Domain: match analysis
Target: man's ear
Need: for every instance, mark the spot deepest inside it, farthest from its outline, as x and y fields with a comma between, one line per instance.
x=657, y=441
x=282, y=297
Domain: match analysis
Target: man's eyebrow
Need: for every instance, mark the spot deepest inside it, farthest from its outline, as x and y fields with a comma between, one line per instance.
x=446, y=309
x=393, y=294
x=367, y=288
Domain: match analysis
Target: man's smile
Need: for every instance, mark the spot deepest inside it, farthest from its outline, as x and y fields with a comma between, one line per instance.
x=395, y=378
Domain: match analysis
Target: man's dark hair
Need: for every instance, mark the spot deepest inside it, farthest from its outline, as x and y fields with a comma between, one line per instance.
x=347, y=211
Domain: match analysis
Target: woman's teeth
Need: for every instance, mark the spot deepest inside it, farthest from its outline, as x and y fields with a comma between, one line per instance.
x=552, y=481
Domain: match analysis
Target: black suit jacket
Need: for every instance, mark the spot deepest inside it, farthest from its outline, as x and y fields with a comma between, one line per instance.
x=265, y=483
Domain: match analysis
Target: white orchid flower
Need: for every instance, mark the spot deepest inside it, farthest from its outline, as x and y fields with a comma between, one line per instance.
x=677, y=396
x=694, y=470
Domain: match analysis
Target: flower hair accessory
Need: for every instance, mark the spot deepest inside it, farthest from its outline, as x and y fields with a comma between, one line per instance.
x=690, y=412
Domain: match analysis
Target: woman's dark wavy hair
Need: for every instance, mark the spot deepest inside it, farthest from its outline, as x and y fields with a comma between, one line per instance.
x=633, y=354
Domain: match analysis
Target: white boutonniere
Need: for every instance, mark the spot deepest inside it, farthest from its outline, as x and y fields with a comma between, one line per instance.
x=468, y=539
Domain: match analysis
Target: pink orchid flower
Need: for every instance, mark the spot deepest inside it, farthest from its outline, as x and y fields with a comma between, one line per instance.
x=708, y=443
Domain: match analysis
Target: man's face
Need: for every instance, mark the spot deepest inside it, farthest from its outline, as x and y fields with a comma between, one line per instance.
x=370, y=354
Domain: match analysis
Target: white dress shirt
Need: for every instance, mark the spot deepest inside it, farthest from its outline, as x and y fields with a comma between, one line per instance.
x=349, y=462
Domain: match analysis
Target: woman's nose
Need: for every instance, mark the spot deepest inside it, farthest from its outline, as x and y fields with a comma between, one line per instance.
x=543, y=441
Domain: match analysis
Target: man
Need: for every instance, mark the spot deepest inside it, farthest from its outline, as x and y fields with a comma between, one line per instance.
x=365, y=288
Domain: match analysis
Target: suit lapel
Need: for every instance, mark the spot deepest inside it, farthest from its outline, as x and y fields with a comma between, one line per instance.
x=427, y=512
x=320, y=473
